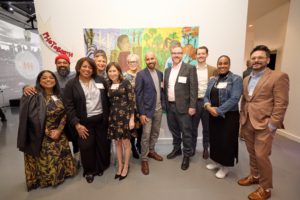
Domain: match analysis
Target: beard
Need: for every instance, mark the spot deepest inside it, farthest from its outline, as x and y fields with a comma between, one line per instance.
x=63, y=71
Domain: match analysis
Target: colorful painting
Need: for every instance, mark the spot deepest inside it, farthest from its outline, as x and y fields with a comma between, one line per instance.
x=119, y=43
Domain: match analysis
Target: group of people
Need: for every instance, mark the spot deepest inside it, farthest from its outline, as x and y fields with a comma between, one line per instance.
x=100, y=103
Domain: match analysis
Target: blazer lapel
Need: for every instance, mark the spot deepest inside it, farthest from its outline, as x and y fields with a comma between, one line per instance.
x=79, y=88
x=148, y=75
x=261, y=82
x=245, y=85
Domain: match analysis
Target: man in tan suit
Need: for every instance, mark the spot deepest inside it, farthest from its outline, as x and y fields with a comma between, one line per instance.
x=264, y=103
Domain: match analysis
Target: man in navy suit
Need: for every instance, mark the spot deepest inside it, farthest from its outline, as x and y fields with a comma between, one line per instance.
x=180, y=88
x=150, y=102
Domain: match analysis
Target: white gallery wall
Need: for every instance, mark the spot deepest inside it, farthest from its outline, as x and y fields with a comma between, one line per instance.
x=222, y=25
x=290, y=65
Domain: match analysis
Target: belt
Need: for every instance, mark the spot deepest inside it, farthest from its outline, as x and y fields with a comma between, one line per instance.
x=200, y=99
x=171, y=102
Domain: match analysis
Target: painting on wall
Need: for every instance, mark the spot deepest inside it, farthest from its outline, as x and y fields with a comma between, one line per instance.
x=119, y=43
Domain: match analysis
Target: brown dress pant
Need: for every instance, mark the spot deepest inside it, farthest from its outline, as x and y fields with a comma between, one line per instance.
x=259, y=146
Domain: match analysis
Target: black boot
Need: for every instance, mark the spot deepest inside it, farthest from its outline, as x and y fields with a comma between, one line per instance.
x=133, y=149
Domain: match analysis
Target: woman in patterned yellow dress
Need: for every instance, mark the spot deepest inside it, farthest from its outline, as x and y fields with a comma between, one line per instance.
x=48, y=159
x=121, y=116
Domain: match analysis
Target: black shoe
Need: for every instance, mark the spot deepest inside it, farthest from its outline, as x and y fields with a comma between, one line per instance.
x=185, y=163
x=89, y=178
x=117, y=176
x=78, y=164
x=3, y=120
x=123, y=177
x=174, y=153
x=135, y=153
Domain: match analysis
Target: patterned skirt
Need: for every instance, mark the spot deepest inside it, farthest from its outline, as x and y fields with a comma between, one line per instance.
x=54, y=164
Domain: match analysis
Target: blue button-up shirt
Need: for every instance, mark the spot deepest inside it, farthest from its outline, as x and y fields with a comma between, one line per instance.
x=254, y=78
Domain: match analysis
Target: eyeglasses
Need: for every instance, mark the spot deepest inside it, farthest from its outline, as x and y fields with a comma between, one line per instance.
x=132, y=62
x=176, y=53
x=258, y=58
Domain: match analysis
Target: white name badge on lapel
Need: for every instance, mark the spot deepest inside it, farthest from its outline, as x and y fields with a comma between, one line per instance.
x=222, y=85
x=181, y=79
x=162, y=84
x=100, y=85
x=54, y=98
x=115, y=86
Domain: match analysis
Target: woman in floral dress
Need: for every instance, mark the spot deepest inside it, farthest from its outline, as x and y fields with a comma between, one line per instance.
x=121, y=117
x=48, y=158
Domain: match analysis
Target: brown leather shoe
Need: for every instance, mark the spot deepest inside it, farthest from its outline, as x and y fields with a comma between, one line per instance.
x=260, y=194
x=249, y=180
x=155, y=156
x=145, y=167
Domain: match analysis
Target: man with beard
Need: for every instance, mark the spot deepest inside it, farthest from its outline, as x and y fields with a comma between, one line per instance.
x=150, y=103
x=263, y=106
x=180, y=88
x=63, y=75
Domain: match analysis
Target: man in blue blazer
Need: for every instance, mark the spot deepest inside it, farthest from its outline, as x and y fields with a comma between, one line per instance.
x=150, y=102
x=180, y=88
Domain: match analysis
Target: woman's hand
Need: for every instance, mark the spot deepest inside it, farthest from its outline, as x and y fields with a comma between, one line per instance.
x=131, y=124
x=82, y=131
x=54, y=134
x=213, y=111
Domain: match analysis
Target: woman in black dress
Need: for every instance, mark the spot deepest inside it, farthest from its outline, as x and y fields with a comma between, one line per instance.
x=221, y=101
x=121, y=117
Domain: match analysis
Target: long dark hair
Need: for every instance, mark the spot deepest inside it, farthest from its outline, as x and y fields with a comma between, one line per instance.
x=56, y=88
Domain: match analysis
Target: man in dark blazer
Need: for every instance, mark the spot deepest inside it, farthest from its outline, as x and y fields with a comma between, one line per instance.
x=263, y=106
x=150, y=103
x=180, y=88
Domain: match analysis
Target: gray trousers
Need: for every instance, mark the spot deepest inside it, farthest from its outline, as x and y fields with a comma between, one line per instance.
x=201, y=114
x=180, y=125
x=151, y=134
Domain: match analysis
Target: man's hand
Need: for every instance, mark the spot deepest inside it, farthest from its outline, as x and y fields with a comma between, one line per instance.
x=29, y=90
x=192, y=111
x=144, y=120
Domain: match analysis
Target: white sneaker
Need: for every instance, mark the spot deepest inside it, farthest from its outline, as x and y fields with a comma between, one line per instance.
x=212, y=166
x=222, y=172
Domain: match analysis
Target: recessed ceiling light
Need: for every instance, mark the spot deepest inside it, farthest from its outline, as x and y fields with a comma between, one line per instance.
x=250, y=25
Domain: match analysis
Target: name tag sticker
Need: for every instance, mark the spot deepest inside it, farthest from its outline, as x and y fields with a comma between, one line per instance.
x=162, y=84
x=222, y=85
x=54, y=98
x=100, y=85
x=181, y=79
x=114, y=86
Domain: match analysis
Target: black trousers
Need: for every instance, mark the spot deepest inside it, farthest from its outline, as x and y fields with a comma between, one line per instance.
x=95, y=150
x=180, y=125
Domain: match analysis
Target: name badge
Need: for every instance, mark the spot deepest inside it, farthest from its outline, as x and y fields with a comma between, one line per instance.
x=100, y=85
x=115, y=86
x=162, y=84
x=54, y=98
x=222, y=85
x=181, y=79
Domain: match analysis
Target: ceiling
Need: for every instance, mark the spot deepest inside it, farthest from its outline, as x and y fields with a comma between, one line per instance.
x=258, y=8
x=23, y=14
x=20, y=13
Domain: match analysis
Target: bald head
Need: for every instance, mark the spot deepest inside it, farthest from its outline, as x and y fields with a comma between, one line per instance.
x=150, y=60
